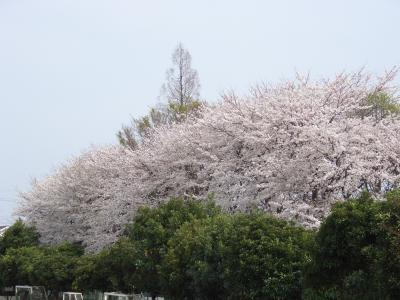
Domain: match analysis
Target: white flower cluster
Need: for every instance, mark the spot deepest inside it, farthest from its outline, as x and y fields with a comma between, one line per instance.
x=291, y=149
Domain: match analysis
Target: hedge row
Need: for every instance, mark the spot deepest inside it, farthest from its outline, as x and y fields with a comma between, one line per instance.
x=189, y=249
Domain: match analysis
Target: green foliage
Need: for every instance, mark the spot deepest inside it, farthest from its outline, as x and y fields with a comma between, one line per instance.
x=380, y=105
x=389, y=260
x=126, y=137
x=179, y=112
x=110, y=270
x=130, y=136
x=18, y=235
x=244, y=256
x=15, y=266
x=270, y=256
x=189, y=249
x=357, y=251
x=87, y=276
x=192, y=268
x=152, y=229
x=48, y=266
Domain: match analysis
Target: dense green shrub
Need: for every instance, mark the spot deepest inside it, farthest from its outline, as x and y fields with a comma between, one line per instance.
x=52, y=267
x=151, y=230
x=357, y=255
x=268, y=255
x=110, y=270
x=189, y=249
x=193, y=268
x=18, y=235
x=240, y=256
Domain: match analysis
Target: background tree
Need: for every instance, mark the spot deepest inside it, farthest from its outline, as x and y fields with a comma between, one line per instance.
x=291, y=149
x=18, y=235
x=182, y=82
x=380, y=105
x=180, y=95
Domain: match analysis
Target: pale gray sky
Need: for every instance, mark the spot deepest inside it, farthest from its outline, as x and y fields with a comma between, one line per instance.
x=72, y=71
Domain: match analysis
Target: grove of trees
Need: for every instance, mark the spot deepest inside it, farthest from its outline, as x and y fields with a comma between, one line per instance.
x=192, y=249
x=291, y=149
x=288, y=192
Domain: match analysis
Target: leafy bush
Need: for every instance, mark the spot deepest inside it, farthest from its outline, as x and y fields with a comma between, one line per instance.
x=189, y=249
x=18, y=235
x=52, y=267
x=151, y=230
x=193, y=267
x=112, y=269
x=357, y=251
x=241, y=256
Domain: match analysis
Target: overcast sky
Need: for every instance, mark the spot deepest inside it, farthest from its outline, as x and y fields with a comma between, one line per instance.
x=72, y=71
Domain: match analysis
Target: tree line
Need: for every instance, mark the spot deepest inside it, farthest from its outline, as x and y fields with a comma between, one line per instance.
x=191, y=249
x=291, y=149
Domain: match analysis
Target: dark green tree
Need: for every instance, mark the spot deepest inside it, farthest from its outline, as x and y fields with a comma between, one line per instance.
x=16, y=265
x=18, y=235
x=52, y=267
x=387, y=268
x=193, y=267
x=268, y=255
x=112, y=269
x=240, y=256
x=88, y=276
x=357, y=251
x=151, y=230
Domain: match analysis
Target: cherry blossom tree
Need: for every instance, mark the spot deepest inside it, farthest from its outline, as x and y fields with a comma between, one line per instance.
x=291, y=149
